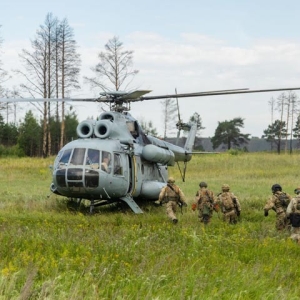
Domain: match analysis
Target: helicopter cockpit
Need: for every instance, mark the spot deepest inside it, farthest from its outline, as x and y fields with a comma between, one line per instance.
x=81, y=169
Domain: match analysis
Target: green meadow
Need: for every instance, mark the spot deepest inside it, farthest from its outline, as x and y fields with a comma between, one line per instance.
x=49, y=249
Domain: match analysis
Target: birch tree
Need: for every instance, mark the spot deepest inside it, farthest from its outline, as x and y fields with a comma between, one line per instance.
x=169, y=109
x=69, y=68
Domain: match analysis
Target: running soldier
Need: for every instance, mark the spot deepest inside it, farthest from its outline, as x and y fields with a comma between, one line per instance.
x=293, y=213
x=172, y=195
x=278, y=202
x=205, y=203
x=230, y=205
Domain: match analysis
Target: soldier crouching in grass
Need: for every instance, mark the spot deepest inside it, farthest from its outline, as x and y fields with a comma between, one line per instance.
x=205, y=202
x=293, y=214
x=278, y=202
x=172, y=195
x=230, y=205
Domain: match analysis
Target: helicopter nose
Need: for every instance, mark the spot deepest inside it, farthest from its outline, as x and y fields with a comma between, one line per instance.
x=77, y=179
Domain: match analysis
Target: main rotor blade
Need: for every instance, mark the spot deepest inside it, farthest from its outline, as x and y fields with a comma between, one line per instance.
x=215, y=93
x=131, y=97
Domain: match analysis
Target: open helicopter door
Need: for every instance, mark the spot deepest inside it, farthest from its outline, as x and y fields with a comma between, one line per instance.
x=129, y=176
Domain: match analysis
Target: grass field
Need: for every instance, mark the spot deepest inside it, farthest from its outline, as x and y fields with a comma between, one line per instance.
x=49, y=251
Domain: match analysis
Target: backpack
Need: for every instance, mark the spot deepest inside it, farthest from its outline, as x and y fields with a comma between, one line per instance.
x=227, y=200
x=283, y=199
x=204, y=197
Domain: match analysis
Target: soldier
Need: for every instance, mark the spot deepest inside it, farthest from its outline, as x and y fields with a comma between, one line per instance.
x=293, y=213
x=230, y=205
x=204, y=202
x=172, y=195
x=278, y=202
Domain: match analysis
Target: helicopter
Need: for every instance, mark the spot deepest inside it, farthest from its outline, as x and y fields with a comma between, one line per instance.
x=113, y=160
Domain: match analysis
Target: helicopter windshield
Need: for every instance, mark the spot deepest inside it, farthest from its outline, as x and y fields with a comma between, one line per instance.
x=87, y=171
x=91, y=158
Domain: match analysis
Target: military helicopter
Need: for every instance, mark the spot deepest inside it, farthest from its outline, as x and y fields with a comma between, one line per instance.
x=113, y=160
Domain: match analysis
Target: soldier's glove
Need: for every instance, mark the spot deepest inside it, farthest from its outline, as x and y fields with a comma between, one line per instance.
x=238, y=213
x=216, y=207
x=194, y=206
x=266, y=213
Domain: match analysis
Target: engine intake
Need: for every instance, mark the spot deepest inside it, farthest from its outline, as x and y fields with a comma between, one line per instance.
x=85, y=129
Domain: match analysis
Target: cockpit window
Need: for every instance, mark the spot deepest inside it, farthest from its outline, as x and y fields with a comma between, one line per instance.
x=65, y=157
x=93, y=157
x=106, y=162
x=78, y=156
x=118, y=169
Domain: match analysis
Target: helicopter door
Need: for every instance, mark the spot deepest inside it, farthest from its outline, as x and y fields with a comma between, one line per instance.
x=122, y=170
x=131, y=174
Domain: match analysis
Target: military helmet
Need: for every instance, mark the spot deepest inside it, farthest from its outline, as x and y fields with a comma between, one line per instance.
x=276, y=187
x=225, y=187
x=297, y=190
x=171, y=180
x=203, y=184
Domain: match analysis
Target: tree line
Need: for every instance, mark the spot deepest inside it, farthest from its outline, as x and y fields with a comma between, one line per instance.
x=26, y=139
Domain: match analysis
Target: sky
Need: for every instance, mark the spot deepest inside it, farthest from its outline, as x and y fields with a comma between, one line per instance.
x=191, y=46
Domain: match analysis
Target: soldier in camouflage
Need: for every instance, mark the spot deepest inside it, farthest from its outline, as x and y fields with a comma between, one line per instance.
x=172, y=195
x=278, y=202
x=230, y=205
x=205, y=203
x=293, y=214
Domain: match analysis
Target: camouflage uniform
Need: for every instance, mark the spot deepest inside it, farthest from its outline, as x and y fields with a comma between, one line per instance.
x=204, y=202
x=172, y=195
x=230, y=205
x=293, y=213
x=275, y=202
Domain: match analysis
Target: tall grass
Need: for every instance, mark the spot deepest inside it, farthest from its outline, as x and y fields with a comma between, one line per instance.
x=49, y=251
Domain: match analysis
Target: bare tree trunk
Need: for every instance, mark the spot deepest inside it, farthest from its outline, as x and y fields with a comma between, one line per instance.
x=287, y=120
x=69, y=68
x=281, y=110
x=272, y=103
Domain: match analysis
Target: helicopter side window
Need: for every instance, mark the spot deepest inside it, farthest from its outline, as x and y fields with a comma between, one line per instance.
x=106, y=162
x=78, y=156
x=133, y=128
x=118, y=169
x=92, y=158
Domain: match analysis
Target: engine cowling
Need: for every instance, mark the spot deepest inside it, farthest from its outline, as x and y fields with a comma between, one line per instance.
x=85, y=129
x=103, y=129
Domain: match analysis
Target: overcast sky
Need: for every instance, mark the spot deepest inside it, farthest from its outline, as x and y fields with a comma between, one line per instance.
x=190, y=45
